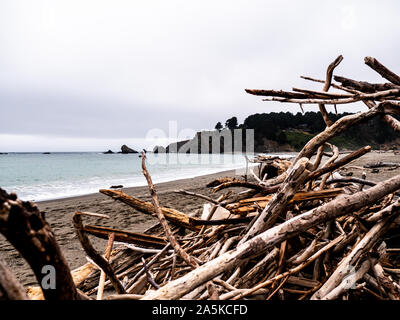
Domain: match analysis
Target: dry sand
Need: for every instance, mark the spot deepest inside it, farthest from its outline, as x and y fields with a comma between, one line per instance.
x=59, y=212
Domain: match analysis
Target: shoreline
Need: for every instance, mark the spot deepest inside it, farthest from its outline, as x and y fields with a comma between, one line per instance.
x=76, y=181
x=131, y=188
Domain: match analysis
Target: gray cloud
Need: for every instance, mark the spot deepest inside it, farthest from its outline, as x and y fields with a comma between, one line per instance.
x=102, y=69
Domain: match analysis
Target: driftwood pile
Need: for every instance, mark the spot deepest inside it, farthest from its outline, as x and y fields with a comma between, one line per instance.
x=296, y=230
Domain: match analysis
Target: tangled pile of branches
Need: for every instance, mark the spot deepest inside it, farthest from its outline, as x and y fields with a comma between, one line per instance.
x=298, y=229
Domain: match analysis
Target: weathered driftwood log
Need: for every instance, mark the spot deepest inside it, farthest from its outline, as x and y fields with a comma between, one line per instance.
x=392, y=94
x=10, y=287
x=381, y=164
x=26, y=229
x=364, y=86
x=172, y=215
x=271, y=237
x=382, y=70
x=249, y=205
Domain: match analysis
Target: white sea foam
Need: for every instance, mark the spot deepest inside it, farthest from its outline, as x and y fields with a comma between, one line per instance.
x=42, y=177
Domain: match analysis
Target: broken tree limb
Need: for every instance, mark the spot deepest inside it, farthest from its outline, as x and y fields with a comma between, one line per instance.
x=387, y=282
x=92, y=253
x=382, y=70
x=10, y=287
x=198, y=195
x=338, y=127
x=339, y=163
x=25, y=228
x=335, y=155
x=363, y=86
x=326, y=87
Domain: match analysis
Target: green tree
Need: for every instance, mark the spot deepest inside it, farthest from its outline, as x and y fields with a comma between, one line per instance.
x=218, y=126
x=231, y=123
x=281, y=138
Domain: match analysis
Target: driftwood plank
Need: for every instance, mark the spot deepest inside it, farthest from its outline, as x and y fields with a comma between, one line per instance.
x=127, y=236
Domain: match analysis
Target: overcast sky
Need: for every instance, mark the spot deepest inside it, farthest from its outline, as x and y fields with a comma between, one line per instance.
x=92, y=75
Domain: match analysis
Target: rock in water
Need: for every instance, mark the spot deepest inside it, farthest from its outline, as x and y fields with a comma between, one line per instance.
x=159, y=149
x=117, y=187
x=126, y=149
x=108, y=152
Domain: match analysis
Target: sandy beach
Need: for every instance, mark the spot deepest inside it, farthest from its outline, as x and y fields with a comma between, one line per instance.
x=59, y=215
x=59, y=212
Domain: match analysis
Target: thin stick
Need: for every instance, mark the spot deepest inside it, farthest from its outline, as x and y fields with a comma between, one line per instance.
x=142, y=271
x=198, y=195
x=178, y=249
x=150, y=278
x=107, y=254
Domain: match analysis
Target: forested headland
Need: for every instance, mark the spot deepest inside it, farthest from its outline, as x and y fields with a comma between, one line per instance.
x=287, y=131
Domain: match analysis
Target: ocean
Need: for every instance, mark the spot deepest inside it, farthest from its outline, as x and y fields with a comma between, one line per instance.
x=38, y=177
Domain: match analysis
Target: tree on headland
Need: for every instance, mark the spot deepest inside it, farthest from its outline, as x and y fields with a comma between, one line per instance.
x=231, y=123
x=218, y=126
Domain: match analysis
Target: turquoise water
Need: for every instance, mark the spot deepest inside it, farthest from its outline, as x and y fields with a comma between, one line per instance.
x=36, y=176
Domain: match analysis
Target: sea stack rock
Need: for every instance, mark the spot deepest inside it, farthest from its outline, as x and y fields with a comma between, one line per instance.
x=159, y=149
x=108, y=152
x=126, y=149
